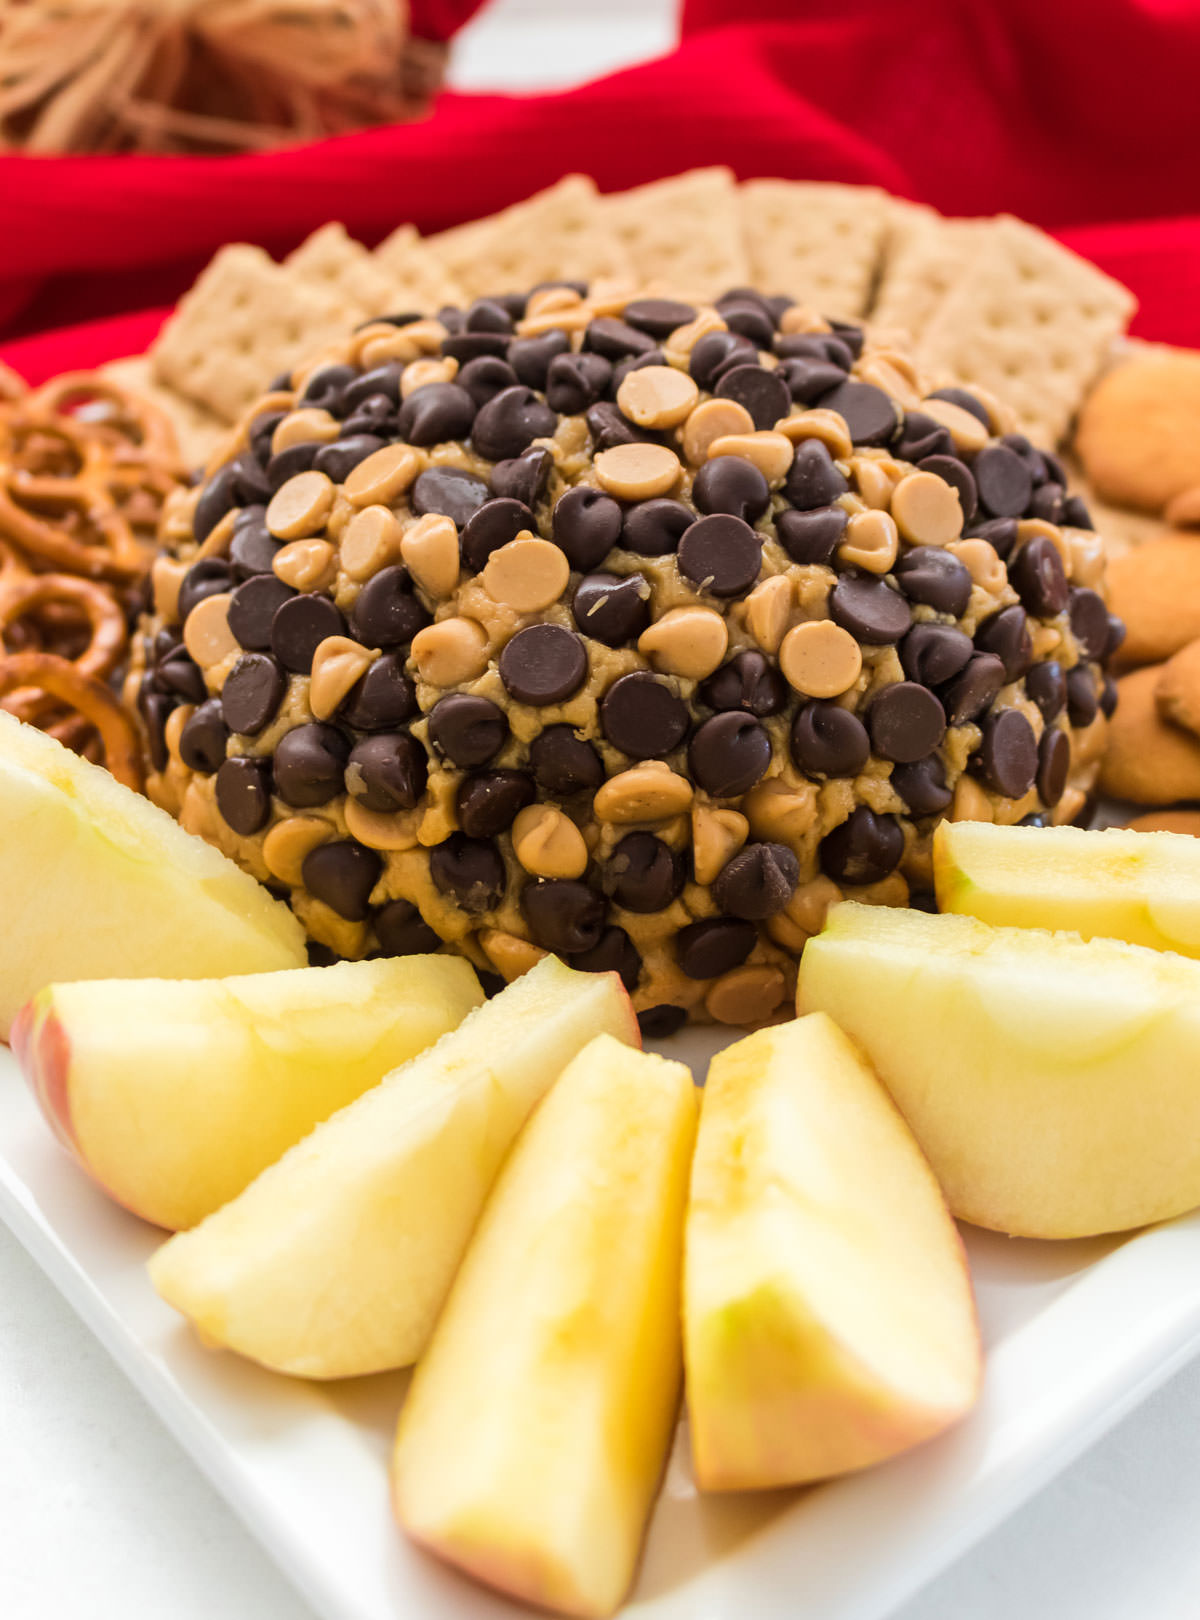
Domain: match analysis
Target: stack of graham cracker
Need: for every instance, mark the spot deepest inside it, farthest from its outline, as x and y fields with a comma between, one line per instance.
x=988, y=301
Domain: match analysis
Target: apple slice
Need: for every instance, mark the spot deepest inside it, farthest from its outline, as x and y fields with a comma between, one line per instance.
x=98, y=882
x=174, y=1094
x=336, y=1260
x=535, y=1431
x=1051, y=1081
x=1143, y=887
x=829, y=1321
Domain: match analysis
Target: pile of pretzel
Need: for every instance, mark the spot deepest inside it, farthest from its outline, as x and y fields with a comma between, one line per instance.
x=84, y=469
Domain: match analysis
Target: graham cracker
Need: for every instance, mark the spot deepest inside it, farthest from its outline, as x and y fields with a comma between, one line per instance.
x=245, y=319
x=332, y=261
x=686, y=230
x=418, y=279
x=196, y=428
x=817, y=241
x=1030, y=321
x=561, y=233
x=924, y=256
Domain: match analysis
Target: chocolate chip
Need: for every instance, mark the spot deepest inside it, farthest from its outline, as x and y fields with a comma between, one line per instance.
x=609, y=428
x=324, y=387
x=1075, y=513
x=1091, y=623
x=383, y=698
x=467, y=346
x=563, y=764
x=821, y=346
x=1046, y=685
x=757, y=882
x=934, y=653
x=1037, y=575
x=1000, y=534
x=262, y=431
x=586, y=525
x=642, y=717
x=615, y=339
x=468, y=730
x=471, y=870
x=253, y=608
x=218, y=497
x=342, y=875
x=922, y=786
x=509, y=423
x=763, y=393
x=243, y=791
x=401, y=930
x=450, y=491
x=906, y=722
x=731, y=484
x=658, y=317
x=721, y=554
x=542, y=664
x=829, y=741
x=867, y=411
x=488, y=803
x=707, y=949
x=523, y=478
x=966, y=401
x=1009, y=753
x=382, y=380
x=203, y=738
x=179, y=675
x=252, y=693
x=387, y=613
x=871, y=610
x=208, y=577
x=921, y=437
x=530, y=357
x=576, y=381
x=812, y=479
x=654, y=528
x=485, y=377
x=435, y=413
x=488, y=315
x=563, y=916
x=929, y=575
x=717, y=352
x=310, y=764
x=750, y=318
x=748, y=681
x=252, y=548
x=615, y=953
x=957, y=474
x=864, y=849
x=612, y=609
x=376, y=416
x=1082, y=701
x=969, y=694
x=387, y=772
x=812, y=537
x=850, y=334
x=300, y=626
x=1047, y=503
x=1054, y=764
x=155, y=708
x=492, y=526
x=1003, y=480
x=642, y=874
x=729, y=754
x=297, y=458
x=661, y=1022
x=1007, y=635
x=1108, y=697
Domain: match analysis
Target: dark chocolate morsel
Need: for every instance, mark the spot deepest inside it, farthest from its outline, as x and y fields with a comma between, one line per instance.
x=448, y=490
x=957, y=474
x=576, y=381
x=654, y=528
x=489, y=802
x=661, y=1022
x=969, y=694
x=749, y=681
x=658, y=317
x=920, y=437
x=401, y=930
x=203, y=738
x=757, y=882
x=966, y=401
x=867, y=411
x=863, y=849
x=929, y=575
x=1003, y=480
x=297, y=458
x=1082, y=700
x=1037, y=575
x=510, y=422
x=563, y=764
x=721, y=554
x=731, y=484
x=469, y=869
x=468, y=730
x=1054, y=764
x=1008, y=753
x=530, y=357
x=808, y=378
x=642, y=716
x=707, y=949
x=586, y=525
x=615, y=339
x=615, y=953
x=252, y=548
x=905, y=722
x=310, y=764
x=220, y=495
x=609, y=428
x=494, y=524
x=564, y=916
x=383, y=698
x=387, y=772
x=717, y=352
x=383, y=379
x=763, y=393
x=542, y=664
x=253, y=608
x=387, y=612
x=749, y=317
x=1046, y=685
x=1090, y=623
x=922, y=786
x=523, y=478
x=729, y=754
x=179, y=675
x=208, y=577
x=611, y=608
x=829, y=741
x=324, y=387
x=435, y=413
x=934, y=653
x=252, y=693
x=642, y=874
x=869, y=608
x=299, y=627
x=812, y=536
x=1108, y=697
x=342, y=875
x=1000, y=534
x=1007, y=635
x=243, y=791
x=339, y=459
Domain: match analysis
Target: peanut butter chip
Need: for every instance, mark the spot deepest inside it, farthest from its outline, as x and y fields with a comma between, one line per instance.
x=382, y=343
x=370, y=541
x=1031, y=528
x=337, y=663
x=657, y=396
x=509, y=954
x=799, y=318
x=288, y=843
x=714, y=419
x=967, y=431
x=206, y=632
x=382, y=476
x=527, y=574
x=872, y=481
x=781, y=813
x=820, y=659
x=1086, y=552
x=300, y=506
x=305, y=565
x=549, y=300
x=166, y=577
x=216, y=541
x=688, y=641
x=810, y=904
x=888, y=372
x=176, y=720
x=716, y=836
x=421, y=372
x=450, y=652
x=746, y=995
x=380, y=829
x=637, y=472
x=430, y=552
x=685, y=338
x=982, y=562
x=771, y=453
x=872, y=542
x=828, y=426
x=548, y=844
x=307, y=426
x=648, y=792
x=768, y=609
x=927, y=510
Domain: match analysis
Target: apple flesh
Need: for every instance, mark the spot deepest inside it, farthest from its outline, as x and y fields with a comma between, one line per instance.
x=1143, y=887
x=1051, y=1081
x=337, y=1259
x=175, y=1094
x=98, y=882
x=829, y=1321
x=536, y=1429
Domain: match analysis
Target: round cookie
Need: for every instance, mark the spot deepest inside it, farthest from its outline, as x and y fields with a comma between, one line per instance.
x=1139, y=430
x=638, y=646
x=1155, y=589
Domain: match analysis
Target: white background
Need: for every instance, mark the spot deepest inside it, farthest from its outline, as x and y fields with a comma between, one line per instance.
x=103, y=1517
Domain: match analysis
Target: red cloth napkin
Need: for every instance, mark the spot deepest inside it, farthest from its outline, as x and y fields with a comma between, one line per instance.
x=1078, y=116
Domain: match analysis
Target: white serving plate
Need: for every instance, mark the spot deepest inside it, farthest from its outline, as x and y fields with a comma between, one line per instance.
x=1076, y=1334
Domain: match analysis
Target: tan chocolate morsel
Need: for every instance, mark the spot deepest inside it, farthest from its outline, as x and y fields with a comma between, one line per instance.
x=746, y=995
x=781, y=813
x=380, y=829
x=404, y=343
x=289, y=842
x=820, y=659
x=527, y=574
x=647, y=792
x=1086, y=550
x=383, y=475
x=421, y=372
x=430, y=552
x=305, y=565
x=369, y=542
x=176, y=720
x=1183, y=511
x=805, y=913
x=548, y=844
x=768, y=611
x=555, y=320
x=451, y=651
x=872, y=482
x=772, y=453
x=872, y=542
x=547, y=300
x=638, y=472
x=967, y=431
x=828, y=426
x=799, y=320
x=206, y=632
x=982, y=561
x=216, y=541
x=894, y=374
x=927, y=510
x=685, y=338
x=1032, y=528
x=166, y=576
x=337, y=664
x=656, y=396
x=687, y=641
x=300, y=507
x=717, y=835
x=307, y=426
x=509, y=954
x=714, y=419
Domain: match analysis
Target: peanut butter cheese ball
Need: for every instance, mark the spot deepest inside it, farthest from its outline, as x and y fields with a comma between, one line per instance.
x=620, y=627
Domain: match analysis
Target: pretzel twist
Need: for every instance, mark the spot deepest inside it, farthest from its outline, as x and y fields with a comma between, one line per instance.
x=88, y=697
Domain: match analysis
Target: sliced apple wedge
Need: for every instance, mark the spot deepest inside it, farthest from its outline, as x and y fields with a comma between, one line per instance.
x=336, y=1260
x=829, y=1321
x=174, y=1094
x=535, y=1431
x=98, y=882
x=1143, y=887
x=1052, y=1082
